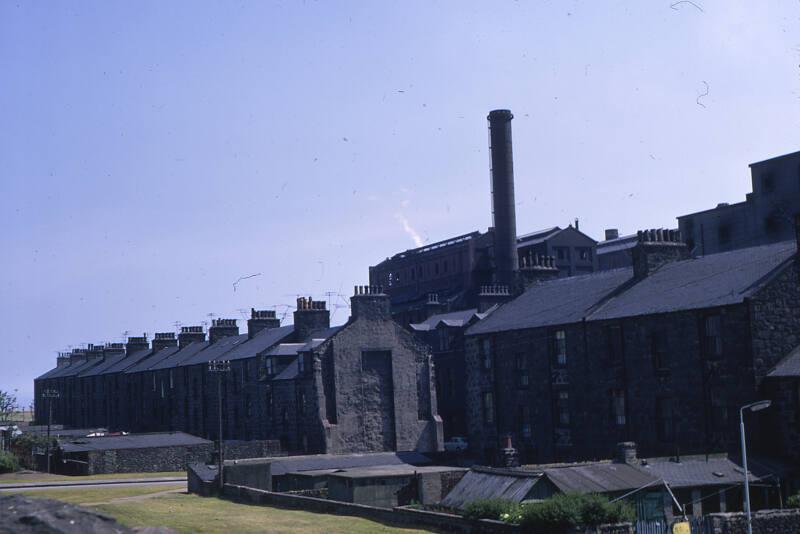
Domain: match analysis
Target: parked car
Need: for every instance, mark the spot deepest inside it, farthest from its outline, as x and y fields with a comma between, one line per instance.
x=456, y=444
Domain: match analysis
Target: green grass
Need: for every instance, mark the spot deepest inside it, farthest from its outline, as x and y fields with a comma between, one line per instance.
x=91, y=495
x=190, y=513
x=13, y=478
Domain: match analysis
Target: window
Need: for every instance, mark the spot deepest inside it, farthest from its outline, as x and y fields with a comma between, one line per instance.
x=522, y=371
x=269, y=403
x=301, y=364
x=171, y=382
x=585, y=254
x=719, y=410
x=724, y=234
x=658, y=351
x=560, y=348
x=664, y=419
x=154, y=381
x=270, y=363
x=488, y=408
x=524, y=418
x=713, y=336
x=301, y=405
x=486, y=353
x=618, y=406
x=563, y=408
x=443, y=339
x=614, y=343
x=769, y=183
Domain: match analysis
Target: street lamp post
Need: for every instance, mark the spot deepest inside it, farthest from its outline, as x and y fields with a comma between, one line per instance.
x=219, y=367
x=753, y=407
x=50, y=395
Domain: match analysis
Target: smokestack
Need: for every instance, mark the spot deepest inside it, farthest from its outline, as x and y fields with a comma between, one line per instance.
x=503, y=211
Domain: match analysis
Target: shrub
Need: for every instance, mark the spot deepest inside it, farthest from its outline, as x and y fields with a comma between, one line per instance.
x=490, y=509
x=574, y=509
x=793, y=501
x=8, y=462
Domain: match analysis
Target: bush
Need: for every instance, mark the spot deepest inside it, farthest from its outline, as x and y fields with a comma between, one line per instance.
x=8, y=462
x=574, y=509
x=793, y=501
x=491, y=509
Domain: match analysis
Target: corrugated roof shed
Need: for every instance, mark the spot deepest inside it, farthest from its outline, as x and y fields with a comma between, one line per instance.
x=601, y=477
x=484, y=483
x=281, y=466
x=788, y=366
x=132, y=441
x=697, y=471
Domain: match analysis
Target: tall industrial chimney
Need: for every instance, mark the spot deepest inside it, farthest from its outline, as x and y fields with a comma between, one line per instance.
x=503, y=212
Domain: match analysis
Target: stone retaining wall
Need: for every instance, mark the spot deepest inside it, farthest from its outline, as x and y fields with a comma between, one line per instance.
x=764, y=522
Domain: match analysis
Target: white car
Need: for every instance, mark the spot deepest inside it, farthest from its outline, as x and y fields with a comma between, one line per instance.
x=456, y=444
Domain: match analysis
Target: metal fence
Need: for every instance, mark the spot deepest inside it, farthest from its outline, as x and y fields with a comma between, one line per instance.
x=697, y=525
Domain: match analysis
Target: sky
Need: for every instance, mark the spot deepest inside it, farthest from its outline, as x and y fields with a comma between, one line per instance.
x=152, y=154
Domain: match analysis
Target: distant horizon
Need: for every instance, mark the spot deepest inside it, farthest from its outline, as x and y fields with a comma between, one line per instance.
x=161, y=162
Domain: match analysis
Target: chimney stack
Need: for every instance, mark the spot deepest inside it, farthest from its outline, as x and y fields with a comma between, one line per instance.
x=190, y=334
x=626, y=453
x=78, y=356
x=259, y=320
x=163, y=340
x=503, y=207
x=656, y=247
x=63, y=359
x=491, y=295
x=536, y=268
x=612, y=233
x=94, y=351
x=370, y=302
x=433, y=306
x=221, y=328
x=136, y=344
x=309, y=316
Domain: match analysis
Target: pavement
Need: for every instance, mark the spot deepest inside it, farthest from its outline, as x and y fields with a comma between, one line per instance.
x=53, y=484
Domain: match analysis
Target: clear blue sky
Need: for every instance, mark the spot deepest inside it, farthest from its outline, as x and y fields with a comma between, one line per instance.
x=151, y=153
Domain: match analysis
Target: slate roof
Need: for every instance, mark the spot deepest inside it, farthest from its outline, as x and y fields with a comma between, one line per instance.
x=399, y=470
x=132, y=441
x=182, y=355
x=51, y=372
x=215, y=351
x=158, y=357
x=538, y=236
x=561, y=301
x=696, y=471
x=601, y=477
x=714, y=280
x=286, y=349
x=788, y=366
x=75, y=369
x=261, y=341
x=315, y=462
x=117, y=363
x=456, y=318
x=485, y=483
x=620, y=243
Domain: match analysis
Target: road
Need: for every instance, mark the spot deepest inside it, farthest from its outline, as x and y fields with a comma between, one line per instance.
x=89, y=484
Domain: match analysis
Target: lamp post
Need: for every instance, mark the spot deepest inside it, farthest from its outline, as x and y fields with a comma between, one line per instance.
x=753, y=407
x=219, y=367
x=49, y=394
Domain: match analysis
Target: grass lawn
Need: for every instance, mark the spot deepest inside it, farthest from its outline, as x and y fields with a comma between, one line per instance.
x=91, y=495
x=190, y=513
x=18, y=478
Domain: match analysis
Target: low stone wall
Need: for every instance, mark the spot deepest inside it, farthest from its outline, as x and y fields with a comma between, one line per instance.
x=238, y=450
x=764, y=522
x=403, y=516
x=394, y=516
